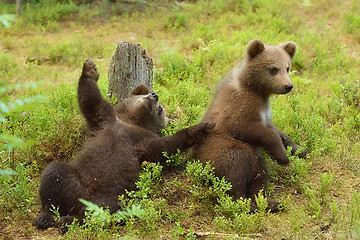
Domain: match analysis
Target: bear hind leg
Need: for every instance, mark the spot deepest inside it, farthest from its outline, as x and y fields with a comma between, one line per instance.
x=59, y=188
x=257, y=184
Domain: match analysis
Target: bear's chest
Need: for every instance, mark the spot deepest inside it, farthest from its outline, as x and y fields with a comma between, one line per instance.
x=265, y=114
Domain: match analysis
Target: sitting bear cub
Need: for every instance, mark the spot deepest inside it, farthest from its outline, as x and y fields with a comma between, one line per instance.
x=242, y=114
x=123, y=136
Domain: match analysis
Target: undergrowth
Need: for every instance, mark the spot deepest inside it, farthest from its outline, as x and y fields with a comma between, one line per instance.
x=194, y=44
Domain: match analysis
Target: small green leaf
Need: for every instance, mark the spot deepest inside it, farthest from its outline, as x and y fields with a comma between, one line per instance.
x=7, y=172
x=5, y=19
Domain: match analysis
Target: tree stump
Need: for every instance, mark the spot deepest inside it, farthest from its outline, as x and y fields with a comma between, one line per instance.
x=18, y=7
x=129, y=67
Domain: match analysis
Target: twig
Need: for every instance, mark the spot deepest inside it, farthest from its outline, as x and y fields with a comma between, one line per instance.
x=4, y=142
x=226, y=235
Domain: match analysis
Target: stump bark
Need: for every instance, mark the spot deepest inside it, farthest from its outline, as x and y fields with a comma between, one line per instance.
x=18, y=7
x=129, y=67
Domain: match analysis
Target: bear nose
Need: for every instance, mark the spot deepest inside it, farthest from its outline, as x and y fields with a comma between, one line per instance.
x=289, y=87
x=155, y=96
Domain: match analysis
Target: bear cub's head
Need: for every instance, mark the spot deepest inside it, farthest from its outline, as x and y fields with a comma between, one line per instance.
x=143, y=109
x=268, y=67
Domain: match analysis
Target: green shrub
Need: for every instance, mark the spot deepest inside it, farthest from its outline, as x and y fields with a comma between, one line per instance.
x=149, y=178
x=183, y=101
x=205, y=186
x=350, y=91
x=235, y=215
x=13, y=117
x=106, y=218
x=354, y=210
x=6, y=19
x=174, y=65
x=9, y=67
x=70, y=52
x=17, y=191
x=176, y=21
x=174, y=160
x=45, y=12
x=326, y=179
x=352, y=24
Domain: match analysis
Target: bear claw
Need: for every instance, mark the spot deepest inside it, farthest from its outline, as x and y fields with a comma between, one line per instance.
x=209, y=125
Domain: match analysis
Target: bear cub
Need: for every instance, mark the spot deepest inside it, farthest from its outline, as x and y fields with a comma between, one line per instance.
x=242, y=114
x=123, y=136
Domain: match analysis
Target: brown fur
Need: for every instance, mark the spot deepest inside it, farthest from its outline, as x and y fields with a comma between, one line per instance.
x=242, y=114
x=123, y=137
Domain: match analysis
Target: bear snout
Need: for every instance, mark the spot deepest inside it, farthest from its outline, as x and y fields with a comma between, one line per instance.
x=152, y=96
x=288, y=87
x=155, y=96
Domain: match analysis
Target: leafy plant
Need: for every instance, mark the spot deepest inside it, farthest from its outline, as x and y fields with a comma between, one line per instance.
x=9, y=141
x=6, y=19
x=119, y=216
x=45, y=12
x=6, y=173
x=299, y=171
x=354, y=210
x=326, y=179
x=314, y=205
x=174, y=160
x=235, y=215
x=205, y=185
x=176, y=21
x=352, y=24
x=149, y=178
x=17, y=192
x=55, y=211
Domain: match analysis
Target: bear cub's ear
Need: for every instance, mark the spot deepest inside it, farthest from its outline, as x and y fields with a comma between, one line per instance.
x=255, y=47
x=289, y=47
x=140, y=90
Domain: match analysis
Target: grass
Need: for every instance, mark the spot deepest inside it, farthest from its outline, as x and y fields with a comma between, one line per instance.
x=193, y=45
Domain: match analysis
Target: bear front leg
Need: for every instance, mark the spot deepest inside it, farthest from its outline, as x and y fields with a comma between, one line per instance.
x=274, y=146
x=259, y=135
x=288, y=143
x=152, y=150
x=96, y=110
x=286, y=140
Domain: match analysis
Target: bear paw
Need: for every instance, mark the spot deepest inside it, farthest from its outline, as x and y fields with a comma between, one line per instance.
x=44, y=221
x=203, y=128
x=273, y=206
x=207, y=126
x=198, y=132
x=89, y=70
x=303, y=154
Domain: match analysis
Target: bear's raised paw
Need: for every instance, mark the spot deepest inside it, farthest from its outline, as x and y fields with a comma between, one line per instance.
x=89, y=70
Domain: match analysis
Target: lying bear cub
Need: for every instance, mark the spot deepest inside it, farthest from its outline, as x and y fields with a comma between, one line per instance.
x=123, y=136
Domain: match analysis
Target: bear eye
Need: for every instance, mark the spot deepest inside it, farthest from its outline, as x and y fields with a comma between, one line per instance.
x=287, y=69
x=274, y=71
x=160, y=110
